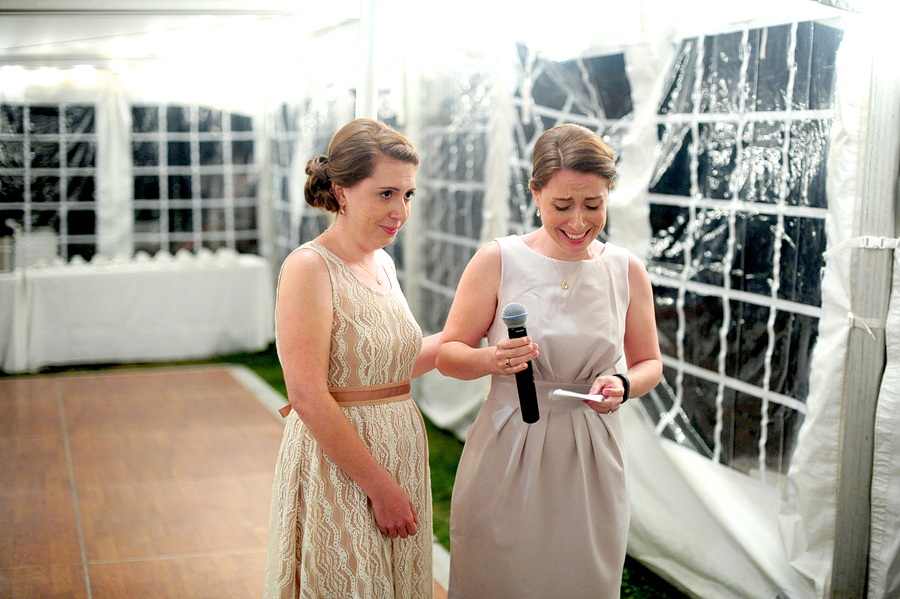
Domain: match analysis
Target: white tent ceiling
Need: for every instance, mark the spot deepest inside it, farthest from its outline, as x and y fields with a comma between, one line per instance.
x=36, y=33
x=68, y=32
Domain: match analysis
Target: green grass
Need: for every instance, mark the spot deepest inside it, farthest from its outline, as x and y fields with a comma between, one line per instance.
x=444, y=448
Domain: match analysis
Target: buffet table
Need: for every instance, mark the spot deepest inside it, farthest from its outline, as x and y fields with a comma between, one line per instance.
x=188, y=306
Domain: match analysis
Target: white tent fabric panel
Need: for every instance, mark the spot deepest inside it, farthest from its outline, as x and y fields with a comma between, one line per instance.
x=808, y=515
x=870, y=86
x=711, y=530
x=884, y=556
x=884, y=545
x=115, y=185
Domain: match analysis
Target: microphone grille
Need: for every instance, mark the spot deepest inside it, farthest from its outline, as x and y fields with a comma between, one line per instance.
x=514, y=315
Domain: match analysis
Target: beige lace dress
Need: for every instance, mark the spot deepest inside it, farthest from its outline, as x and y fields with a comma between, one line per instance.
x=323, y=540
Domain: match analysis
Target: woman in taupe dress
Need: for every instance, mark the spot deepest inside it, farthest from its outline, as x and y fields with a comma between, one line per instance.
x=542, y=510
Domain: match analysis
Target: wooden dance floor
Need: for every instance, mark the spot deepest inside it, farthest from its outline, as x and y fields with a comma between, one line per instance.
x=137, y=483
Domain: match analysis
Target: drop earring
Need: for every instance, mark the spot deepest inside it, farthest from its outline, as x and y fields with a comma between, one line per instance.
x=341, y=210
x=539, y=212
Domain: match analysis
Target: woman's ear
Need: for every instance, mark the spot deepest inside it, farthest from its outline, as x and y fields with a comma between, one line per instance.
x=338, y=191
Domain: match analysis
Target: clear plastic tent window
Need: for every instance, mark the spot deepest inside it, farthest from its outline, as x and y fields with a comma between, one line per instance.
x=195, y=179
x=593, y=91
x=455, y=185
x=467, y=145
x=48, y=173
x=299, y=132
x=737, y=210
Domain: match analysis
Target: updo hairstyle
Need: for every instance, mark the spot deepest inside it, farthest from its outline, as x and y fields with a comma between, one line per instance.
x=351, y=158
x=570, y=147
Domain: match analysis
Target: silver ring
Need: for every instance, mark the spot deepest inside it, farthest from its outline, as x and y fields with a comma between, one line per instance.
x=507, y=362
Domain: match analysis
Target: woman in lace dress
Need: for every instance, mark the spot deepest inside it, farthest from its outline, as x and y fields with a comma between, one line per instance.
x=351, y=505
x=541, y=510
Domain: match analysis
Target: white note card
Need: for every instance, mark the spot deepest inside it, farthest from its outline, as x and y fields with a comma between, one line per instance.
x=563, y=394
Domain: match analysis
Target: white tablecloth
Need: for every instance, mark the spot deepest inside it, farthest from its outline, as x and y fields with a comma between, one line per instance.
x=8, y=284
x=151, y=310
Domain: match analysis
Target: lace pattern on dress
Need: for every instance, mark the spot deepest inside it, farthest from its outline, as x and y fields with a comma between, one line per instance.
x=323, y=540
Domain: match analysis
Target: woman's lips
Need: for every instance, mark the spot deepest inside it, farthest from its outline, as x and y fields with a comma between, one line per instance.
x=575, y=238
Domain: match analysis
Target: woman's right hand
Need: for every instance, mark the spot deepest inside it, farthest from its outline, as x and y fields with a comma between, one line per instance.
x=512, y=355
x=394, y=512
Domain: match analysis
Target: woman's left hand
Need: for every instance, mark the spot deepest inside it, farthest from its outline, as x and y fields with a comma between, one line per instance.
x=612, y=390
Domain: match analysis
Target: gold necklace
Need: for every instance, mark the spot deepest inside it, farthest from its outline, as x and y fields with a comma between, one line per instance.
x=565, y=284
x=375, y=276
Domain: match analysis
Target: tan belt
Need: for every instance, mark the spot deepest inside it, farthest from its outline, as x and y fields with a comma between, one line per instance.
x=364, y=396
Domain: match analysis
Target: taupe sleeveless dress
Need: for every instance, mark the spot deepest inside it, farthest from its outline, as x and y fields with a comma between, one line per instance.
x=542, y=510
x=323, y=540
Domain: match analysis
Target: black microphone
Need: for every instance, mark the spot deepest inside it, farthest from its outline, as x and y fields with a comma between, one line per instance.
x=514, y=315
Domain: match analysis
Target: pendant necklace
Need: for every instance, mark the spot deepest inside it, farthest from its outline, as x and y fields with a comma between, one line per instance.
x=368, y=272
x=565, y=284
x=376, y=277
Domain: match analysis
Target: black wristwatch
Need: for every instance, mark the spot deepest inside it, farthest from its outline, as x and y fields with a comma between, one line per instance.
x=627, y=384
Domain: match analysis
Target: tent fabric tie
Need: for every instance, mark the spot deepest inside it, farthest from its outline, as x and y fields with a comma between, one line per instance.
x=867, y=324
x=866, y=242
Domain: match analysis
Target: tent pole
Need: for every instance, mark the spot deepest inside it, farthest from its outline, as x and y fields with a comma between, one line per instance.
x=366, y=92
x=870, y=285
